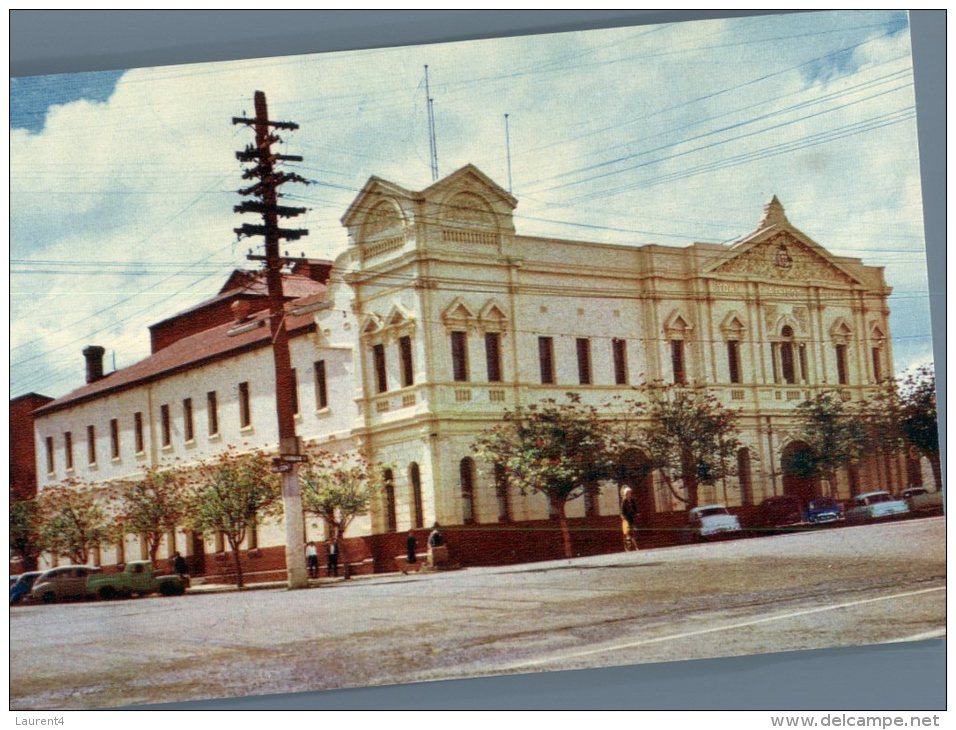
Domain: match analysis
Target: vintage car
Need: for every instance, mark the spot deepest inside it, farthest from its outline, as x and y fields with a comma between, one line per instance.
x=21, y=587
x=137, y=578
x=60, y=584
x=920, y=500
x=779, y=514
x=823, y=510
x=875, y=506
x=711, y=521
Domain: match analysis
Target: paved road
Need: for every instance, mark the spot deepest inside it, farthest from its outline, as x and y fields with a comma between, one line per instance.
x=834, y=587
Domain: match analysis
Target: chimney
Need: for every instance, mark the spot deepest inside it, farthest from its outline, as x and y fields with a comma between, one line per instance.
x=94, y=362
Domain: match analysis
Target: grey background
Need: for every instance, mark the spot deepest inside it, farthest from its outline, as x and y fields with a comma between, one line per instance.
x=890, y=677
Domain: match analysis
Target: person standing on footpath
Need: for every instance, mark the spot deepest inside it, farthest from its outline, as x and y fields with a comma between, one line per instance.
x=629, y=518
x=312, y=558
x=333, y=564
x=411, y=546
x=180, y=567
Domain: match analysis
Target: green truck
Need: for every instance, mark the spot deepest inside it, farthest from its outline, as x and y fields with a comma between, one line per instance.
x=137, y=578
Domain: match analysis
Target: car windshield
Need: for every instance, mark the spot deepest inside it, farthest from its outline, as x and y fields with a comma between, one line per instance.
x=710, y=511
x=876, y=498
x=915, y=492
x=822, y=504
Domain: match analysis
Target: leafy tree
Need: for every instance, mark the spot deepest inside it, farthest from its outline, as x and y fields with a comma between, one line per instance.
x=688, y=437
x=73, y=520
x=556, y=449
x=835, y=436
x=152, y=506
x=337, y=489
x=234, y=491
x=918, y=417
x=25, y=540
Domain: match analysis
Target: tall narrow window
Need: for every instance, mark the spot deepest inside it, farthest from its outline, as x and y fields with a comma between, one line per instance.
x=321, y=386
x=212, y=412
x=50, y=463
x=743, y=474
x=166, y=427
x=91, y=444
x=459, y=356
x=188, y=433
x=68, y=449
x=733, y=360
x=245, y=406
x=501, y=492
x=114, y=438
x=786, y=356
x=804, y=373
x=773, y=362
x=405, y=350
x=390, y=517
x=138, y=432
x=877, y=368
x=546, y=359
x=584, y=360
x=418, y=510
x=841, y=364
x=294, y=394
x=493, y=356
x=619, y=350
x=466, y=469
x=381, y=375
x=677, y=361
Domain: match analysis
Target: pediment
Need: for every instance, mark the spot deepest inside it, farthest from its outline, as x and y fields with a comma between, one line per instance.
x=470, y=180
x=783, y=255
x=458, y=311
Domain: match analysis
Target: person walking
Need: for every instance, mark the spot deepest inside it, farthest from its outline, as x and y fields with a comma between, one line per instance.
x=333, y=564
x=179, y=565
x=629, y=518
x=312, y=559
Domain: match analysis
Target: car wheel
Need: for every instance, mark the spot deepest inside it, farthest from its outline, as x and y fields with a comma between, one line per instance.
x=107, y=593
x=48, y=597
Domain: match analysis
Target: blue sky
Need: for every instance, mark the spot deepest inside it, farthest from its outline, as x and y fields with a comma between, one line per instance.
x=123, y=184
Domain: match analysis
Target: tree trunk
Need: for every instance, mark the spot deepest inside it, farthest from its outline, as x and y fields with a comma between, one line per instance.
x=933, y=457
x=558, y=506
x=689, y=476
x=234, y=546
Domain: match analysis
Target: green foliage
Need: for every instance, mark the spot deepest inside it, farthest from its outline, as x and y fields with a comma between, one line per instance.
x=72, y=520
x=338, y=489
x=152, y=506
x=835, y=436
x=25, y=539
x=918, y=406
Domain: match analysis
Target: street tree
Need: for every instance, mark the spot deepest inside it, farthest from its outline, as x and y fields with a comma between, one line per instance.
x=835, y=434
x=918, y=417
x=688, y=437
x=152, y=506
x=556, y=449
x=73, y=520
x=337, y=489
x=232, y=494
x=25, y=539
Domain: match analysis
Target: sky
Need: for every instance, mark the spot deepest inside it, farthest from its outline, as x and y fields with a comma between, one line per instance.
x=123, y=183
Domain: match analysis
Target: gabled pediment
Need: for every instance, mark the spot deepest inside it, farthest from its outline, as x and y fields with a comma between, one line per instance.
x=733, y=324
x=373, y=193
x=457, y=312
x=469, y=179
x=398, y=316
x=371, y=323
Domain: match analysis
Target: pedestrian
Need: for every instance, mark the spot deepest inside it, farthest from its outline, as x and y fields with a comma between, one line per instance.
x=333, y=564
x=179, y=565
x=312, y=558
x=436, y=539
x=629, y=518
x=411, y=546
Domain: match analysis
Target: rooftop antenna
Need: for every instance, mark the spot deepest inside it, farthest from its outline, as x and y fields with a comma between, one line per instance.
x=432, y=145
x=508, y=150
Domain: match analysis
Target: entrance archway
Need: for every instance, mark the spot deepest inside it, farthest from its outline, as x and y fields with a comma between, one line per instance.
x=798, y=478
x=636, y=472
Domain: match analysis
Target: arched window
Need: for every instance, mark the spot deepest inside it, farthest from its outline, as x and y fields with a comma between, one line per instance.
x=390, y=520
x=415, y=479
x=467, y=472
x=744, y=476
x=501, y=491
x=786, y=355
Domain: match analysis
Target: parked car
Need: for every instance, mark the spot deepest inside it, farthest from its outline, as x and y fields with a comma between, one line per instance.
x=59, y=584
x=919, y=499
x=824, y=510
x=22, y=586
x=875, y=506
x=710, y=521
x=137, y=578
x=779, y=513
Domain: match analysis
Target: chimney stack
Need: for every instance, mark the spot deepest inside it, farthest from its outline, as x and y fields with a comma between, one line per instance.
x=94, y=362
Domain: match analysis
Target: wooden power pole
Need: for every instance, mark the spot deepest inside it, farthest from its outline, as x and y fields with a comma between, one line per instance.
x=264, y=202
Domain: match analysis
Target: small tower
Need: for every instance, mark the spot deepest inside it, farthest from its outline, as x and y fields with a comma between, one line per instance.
x=773, y=214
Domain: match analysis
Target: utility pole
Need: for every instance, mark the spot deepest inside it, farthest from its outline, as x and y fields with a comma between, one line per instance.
x=432, y=143
x=264, y=202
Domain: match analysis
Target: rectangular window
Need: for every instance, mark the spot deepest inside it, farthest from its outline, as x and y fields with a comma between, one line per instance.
x=381, y=375
x=321, y=387
x=50, y=464
x=68, y=449
x=677, y=361
x=295, y=391
x=91, y=444
x=138, y=431
x=114, y=438
x=584, y=360
x=245, y=406
x=619, y=350
x=773, y=362
x=804, y=375
x=166, y=425
x=493, y=356
x=733, y=360
x=546, y=359
x=877, y=369
x=188, y=419
x=459, y=356
x=841, y=364
x=405, y=349
x=212, y=412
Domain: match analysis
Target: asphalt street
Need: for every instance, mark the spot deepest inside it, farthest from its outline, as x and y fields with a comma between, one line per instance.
x=827, y=588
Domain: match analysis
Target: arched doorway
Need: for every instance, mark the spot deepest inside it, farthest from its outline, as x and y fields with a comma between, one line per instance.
x=636, y=472
x=798, y=478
